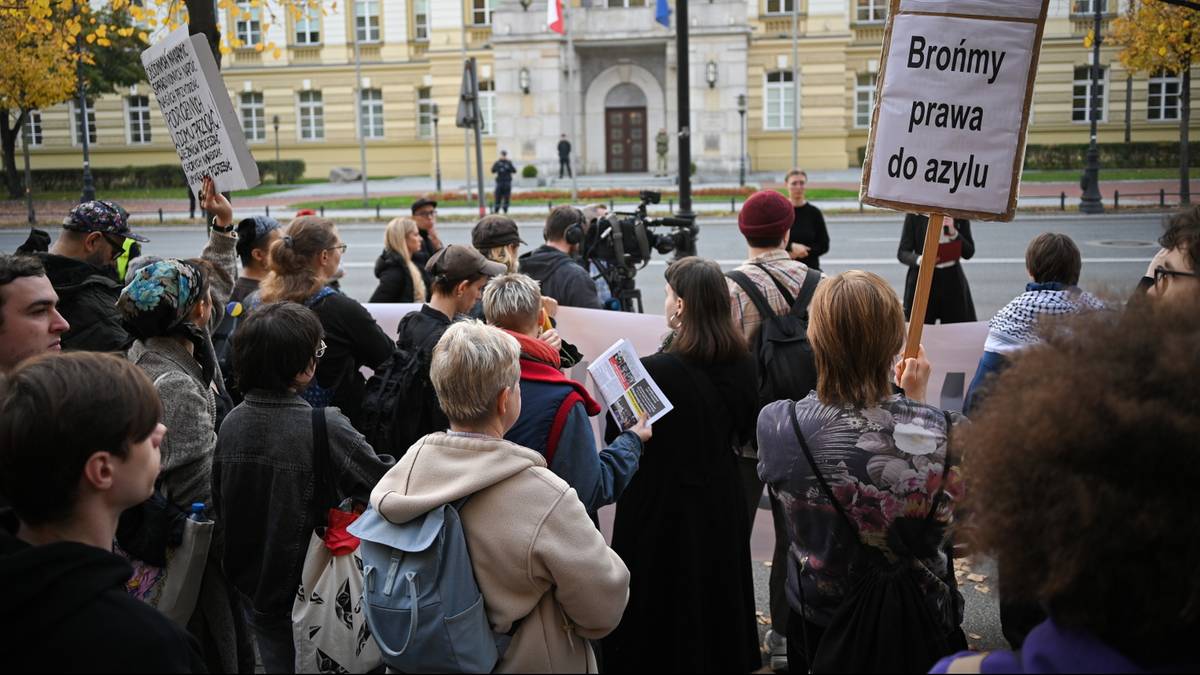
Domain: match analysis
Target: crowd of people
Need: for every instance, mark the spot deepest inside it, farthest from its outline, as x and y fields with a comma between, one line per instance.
x=229, y=388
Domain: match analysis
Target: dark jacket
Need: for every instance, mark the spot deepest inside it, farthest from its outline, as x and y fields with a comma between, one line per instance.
x=87, y=299
x=395, y=279
x=950, y=295
x=420, y=258
x=264, y=489
x=686, y=504
x=561, y=277
x=504, y=171
x=564, y=149
x=420, y=331
x=66, y=610
x=354, y=340
x=810, y=230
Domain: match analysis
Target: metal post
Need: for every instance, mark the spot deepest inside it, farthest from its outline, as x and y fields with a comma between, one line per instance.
x=89, y=188
x=358, y=90
x=1162, y=197
x=467, y=132
x=32, y=217
x=478, y=135
x=1091, y=202
x=570, y=63
x=437, y=151
x=1116, y=200
x=1129, y=109
x=795, y=83
x=741, y=108
x=275, y=122
x=683, y=91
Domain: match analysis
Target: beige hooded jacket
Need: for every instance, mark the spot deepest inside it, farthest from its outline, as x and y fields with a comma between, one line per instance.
x=537, y=556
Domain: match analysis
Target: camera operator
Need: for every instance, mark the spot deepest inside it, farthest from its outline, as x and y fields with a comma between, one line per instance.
x=553, y=265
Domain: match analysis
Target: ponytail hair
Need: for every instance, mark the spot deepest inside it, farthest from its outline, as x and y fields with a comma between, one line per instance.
x=293, y=261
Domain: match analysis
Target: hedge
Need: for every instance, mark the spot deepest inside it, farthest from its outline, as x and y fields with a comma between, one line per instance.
x=1161, y=155
x=152, y=176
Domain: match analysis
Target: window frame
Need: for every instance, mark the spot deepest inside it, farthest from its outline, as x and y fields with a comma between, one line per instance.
x=487, y=107
x=1163, y=80
x=145, y=134
x=76, y=125
x=419, y=26
x=261, y=108
x=876, y=11
x=317, y=123
x=248, y=31
x=32, y=133
x=782, y=10
x=1090, y=9
x=371, y=115
x=486, y=12
x=868, y=89
x=425, y=112
x=785, y=85
x=371, y=23
x=308, y=16
x=1086, y=84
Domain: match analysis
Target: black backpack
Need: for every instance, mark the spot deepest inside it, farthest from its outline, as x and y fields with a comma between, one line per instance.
x=884, y=624
x=786, y=369
x=393, y=406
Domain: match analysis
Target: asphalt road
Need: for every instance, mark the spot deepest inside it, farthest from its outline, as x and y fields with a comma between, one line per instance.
x=1116, y=250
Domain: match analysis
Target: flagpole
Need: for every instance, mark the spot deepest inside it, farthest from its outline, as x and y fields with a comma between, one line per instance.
x=570, y=61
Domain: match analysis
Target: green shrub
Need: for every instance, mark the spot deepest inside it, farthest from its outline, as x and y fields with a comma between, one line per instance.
x=283, y=171
x=147, y=177
x=1162, y=155
x=530, y=171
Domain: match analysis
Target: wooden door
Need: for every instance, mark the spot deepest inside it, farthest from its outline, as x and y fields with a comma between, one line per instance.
x=625, y=140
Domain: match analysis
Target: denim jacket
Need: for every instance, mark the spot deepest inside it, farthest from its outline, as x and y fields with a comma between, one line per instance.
x=264, y=487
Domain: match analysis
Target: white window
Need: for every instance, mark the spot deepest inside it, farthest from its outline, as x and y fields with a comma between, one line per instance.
x=481, y=12
x=31, y=132
x=872, y=10
x=248, y=28
x=139, y=119
x=864, y=100
x=424, y=112
x=312, y=116
x=254, y=117
x=366, y=20
x=421, y=20
x=77, y=123
x=1088, y=6
x=370, y=113
x=487, y=106
x=780, y=96
x=1163, y=103
x=308, y=26
x=1081, y=96
x=780, y=6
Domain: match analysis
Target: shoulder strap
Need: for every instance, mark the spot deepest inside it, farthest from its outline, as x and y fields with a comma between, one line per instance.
x=756, y=296
x=325, y=494
x=817, y=473
x=783, y=290
x=811, y=279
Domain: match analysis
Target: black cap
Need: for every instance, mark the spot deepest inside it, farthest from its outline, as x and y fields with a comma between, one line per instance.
x=422, y=203
x=494, y=231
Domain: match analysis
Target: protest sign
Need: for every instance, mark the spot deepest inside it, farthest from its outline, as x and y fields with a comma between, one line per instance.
x=952, y=107
x=195, y=106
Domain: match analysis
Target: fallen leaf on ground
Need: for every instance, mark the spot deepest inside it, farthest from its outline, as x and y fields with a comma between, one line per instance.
x=983, y=589
x=977, y=577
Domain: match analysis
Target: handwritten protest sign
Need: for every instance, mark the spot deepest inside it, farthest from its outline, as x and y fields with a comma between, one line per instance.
x=952, y=107
x=194, y=104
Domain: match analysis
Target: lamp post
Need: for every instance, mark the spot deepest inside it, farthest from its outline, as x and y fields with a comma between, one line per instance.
x=362, y=121
x=710, y=74
x=741, y=108
x=683, y=104
x=523, y=80
x=89, y=188
x=1091, y=202
x=275, y=123
x=437, y=150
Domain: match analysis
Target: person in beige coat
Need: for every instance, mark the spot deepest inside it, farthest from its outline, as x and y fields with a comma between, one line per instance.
x=541, y=564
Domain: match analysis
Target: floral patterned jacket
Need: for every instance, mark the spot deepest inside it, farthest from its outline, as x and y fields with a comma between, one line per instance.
x=884, y=464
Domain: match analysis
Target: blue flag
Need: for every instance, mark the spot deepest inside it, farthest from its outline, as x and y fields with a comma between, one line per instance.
x=662, y=13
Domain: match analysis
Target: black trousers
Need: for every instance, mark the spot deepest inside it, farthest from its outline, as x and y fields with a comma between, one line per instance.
x=799, y=630
x=564, y=164
x=777, y=583
x=503, y=193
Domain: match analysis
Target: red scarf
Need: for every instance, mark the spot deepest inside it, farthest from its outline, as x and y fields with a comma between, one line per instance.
x=533, y=348
x=540, y=363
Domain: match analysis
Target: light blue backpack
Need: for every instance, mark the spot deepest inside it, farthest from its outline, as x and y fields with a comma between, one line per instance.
x=420, y=596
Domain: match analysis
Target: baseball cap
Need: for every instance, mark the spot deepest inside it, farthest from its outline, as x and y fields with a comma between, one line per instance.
x=100, y=216
x=422, y=203
x=494, y=231
x=457, y=262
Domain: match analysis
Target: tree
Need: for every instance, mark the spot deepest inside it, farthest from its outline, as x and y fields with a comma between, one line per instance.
x=1156, y=37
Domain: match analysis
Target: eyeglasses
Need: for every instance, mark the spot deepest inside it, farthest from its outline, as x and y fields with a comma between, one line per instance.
x=339, y=247
x=1161, y=273
x=426, y=214
x=321, y=347
x=118, y=246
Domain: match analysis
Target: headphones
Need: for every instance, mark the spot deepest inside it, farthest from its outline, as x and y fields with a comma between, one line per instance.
x=574, y=233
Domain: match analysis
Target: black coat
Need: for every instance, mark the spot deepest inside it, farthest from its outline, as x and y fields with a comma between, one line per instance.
x=395, y=280
x=950, y=296
x=87, y=299
x=561, y=277
x=682, y=528
x=354, y=340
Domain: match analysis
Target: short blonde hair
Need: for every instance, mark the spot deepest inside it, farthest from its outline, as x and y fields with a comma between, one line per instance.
x=472, y=364
x=512, y=301
x=856, y=327
x=505, y=255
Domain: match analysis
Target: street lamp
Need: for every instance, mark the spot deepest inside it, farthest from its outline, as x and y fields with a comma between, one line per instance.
x=710, y=74
x=437, y=151
x=275, y=123
x=89, y=188
x=1091, y=202
x=523, y=80
x=741, y=108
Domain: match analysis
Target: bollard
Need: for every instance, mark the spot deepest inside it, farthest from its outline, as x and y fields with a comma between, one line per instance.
x=1116, y=200
x=610, y=205
x=377, y=205
x=1162, y=197
x=861, y=207
x=322, y=210
x=160, y=217
x=732, y=205
x=1062, y=201
x=549, y=205
x=671, y=206
x=268, y=210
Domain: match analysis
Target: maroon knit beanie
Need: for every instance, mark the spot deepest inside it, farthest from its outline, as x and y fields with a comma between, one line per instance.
x=766, y=215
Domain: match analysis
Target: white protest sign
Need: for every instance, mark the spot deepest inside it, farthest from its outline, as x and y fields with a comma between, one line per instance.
x=195, y=105
x=956, y=82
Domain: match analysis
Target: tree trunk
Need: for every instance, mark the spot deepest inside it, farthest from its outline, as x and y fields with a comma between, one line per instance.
x=1185, y=115
x=9, y=133
x=202, y=19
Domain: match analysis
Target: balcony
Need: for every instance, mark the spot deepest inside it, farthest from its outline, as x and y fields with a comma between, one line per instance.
x=479, y=37
x=245, y=57
x=780, y=26
x=869, y=31
x=1082, y=24
x=304, y=53
x=420, y=48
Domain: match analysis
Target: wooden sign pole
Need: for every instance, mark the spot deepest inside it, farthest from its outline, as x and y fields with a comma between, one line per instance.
x=916, y=320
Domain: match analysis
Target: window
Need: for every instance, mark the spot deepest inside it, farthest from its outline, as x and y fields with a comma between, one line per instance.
x=487, y=106
x=139, y=119
x=312, y=116
x=370, y=113
x=1163, y=103
x=77, y=123
x=781, y=101
x=421, y=20
x=481, y=12
x=366, y=20
x=254, y=118
x=248, y=27
x=424, y=112
x=872, y=10
x=308, y=26
x=780, y=6
x=1088, y=6
x=31, y=132
x=864, y=100
x=1081, y=97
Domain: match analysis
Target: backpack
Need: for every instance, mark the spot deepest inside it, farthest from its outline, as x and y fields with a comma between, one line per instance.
x=222, y=340
x=394, y=399
x=786, y=369
x=883, y=625
x=420, y=596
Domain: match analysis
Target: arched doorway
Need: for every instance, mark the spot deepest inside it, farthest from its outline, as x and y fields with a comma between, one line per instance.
x=625, y=146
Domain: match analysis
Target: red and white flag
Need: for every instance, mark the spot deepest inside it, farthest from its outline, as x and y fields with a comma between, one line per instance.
x=554, y=17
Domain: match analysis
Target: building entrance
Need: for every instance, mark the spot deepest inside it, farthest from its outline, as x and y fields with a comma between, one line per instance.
x=625, y=140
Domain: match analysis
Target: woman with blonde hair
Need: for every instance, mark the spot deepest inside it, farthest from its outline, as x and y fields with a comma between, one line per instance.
x=498, y=239
x=400, y=280
x=865, y=474
x=302, y=263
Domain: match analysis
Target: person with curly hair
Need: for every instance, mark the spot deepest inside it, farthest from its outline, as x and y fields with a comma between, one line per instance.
x=1081, y=484
x=1175, y=271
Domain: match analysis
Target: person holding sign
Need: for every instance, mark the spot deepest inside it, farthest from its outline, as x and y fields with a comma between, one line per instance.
x=950, y=295
x=681, y=524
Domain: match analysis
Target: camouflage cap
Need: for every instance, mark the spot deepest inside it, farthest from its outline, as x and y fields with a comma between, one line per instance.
x=99, y=216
